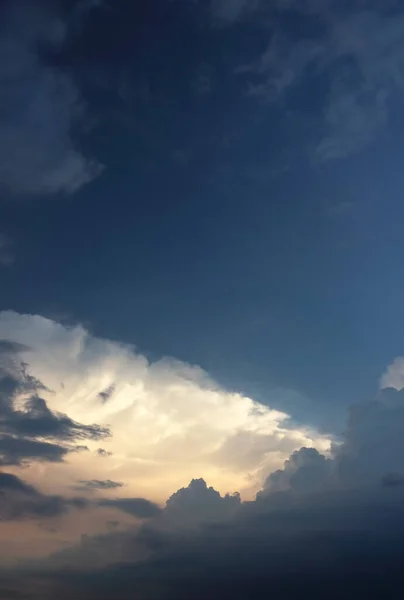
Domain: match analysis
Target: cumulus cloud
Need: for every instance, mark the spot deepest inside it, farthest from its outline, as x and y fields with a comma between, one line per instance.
x=394, y=375
x=40, y=106
x=168, y=420
x=370, y=454
x=198, y=504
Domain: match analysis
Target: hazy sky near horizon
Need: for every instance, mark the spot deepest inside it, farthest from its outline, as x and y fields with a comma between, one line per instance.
x=201, y=292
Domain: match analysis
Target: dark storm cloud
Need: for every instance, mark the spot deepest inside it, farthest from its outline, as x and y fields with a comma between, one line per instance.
x=33, y=431
x=321, y=527
x=39, y=105
x=334, y=546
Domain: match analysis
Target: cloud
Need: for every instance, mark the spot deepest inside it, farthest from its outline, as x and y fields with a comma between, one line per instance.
x=29, y=430
x=371, y=452
x=102, y=453
x=19, y=500
x=6, y=253
x=229, y=11
x=322, y=525
x=97, y=484
x=198, y=504
x=168, y=420
x=306, y=470
x=394, y=375
x=337, y=545
x=106, y=394
x=36, y=419
x=40, y=106
x=355, y=55
x=136, y=507
x=21, y=451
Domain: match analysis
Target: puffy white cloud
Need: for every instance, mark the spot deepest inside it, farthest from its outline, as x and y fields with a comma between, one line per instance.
x=169, y=421
x=394, y=375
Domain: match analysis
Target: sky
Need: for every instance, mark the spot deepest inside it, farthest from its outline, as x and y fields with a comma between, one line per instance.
x=201, y=292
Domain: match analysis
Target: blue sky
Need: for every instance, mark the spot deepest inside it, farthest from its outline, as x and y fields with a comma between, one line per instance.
x=218, y=182
x=221, y=230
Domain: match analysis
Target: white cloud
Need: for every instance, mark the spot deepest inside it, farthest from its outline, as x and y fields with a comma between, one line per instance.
x=170, y=422
x=394, y=375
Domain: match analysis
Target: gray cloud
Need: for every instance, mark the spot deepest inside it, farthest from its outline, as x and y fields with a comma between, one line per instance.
x=39, y=106
x=357, y=53
x=34, y=432
x=198, y=504
x=97, y=484
x=21, y=501
x=334, y=545
x=106, y=394
x=20, y=451
x=38, y=420
x=136, y=507
x=229, y=11
x=102, y=453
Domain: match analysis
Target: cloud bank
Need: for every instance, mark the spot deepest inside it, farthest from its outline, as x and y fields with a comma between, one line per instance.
x=310, y=530
x=329, y=520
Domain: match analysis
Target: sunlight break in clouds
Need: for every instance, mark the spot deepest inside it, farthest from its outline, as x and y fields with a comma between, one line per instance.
x=169, y=421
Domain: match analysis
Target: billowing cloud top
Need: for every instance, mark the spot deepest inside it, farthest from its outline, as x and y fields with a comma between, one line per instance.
x=168, y=420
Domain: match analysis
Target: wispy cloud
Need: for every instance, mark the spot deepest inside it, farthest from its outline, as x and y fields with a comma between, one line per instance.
x=6, y=251
x=39, y=106
x=356, y=51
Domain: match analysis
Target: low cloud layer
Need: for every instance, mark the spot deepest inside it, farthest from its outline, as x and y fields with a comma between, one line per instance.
x=332, y=523
x=40, y=105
